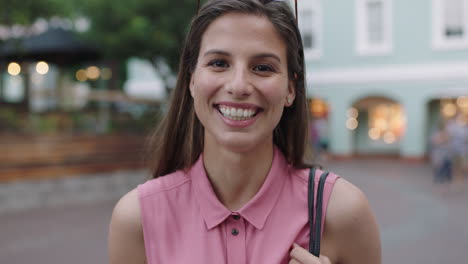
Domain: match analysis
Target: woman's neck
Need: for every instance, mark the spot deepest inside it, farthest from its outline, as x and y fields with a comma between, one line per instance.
x=237, y=177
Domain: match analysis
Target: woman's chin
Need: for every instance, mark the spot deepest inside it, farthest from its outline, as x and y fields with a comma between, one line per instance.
x=240, y=144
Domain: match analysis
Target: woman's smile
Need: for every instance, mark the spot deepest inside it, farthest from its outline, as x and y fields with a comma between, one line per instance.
x=238, y=115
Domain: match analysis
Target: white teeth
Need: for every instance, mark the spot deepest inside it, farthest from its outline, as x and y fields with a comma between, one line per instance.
x=237, y=114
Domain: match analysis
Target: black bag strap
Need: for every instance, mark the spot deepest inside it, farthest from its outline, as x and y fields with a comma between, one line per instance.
x=315, y=226
x=311, y=208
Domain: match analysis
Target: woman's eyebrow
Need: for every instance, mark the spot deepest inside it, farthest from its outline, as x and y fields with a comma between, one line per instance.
x=256, y=56
x=216, y=52
x=267, y=55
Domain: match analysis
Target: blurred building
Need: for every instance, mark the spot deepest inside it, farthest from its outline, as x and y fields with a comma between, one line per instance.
x=33, y=69
x=382, y=71
x=144, y=81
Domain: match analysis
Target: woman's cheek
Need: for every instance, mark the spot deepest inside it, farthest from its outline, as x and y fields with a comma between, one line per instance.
x=208, y=85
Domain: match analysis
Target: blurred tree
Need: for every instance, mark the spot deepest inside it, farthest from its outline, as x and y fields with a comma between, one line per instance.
x=26, y=12
x=149, y=29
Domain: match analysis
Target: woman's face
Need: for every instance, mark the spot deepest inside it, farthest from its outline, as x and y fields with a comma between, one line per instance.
x=240, y=85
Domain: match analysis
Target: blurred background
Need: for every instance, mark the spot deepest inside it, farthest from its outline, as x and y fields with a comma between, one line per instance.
x=83, y=82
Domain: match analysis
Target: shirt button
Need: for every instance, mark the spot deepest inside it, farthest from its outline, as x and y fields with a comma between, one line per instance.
x=236, y=217
x=235, y=232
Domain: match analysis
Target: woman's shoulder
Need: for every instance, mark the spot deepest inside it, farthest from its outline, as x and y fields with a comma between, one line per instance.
x=125, y=232
x=347, y=201
x=163, y=183
x=352, y=224
x=302, y=174
x=126, y=212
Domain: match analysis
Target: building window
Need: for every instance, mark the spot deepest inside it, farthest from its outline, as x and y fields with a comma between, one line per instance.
x=450, y=24
x=308, y=33
x=453, y=19
x=310, y=24
x=386, y=123
x=373, y=27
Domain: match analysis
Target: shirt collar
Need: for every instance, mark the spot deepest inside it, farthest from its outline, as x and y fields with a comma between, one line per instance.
x=256, y=211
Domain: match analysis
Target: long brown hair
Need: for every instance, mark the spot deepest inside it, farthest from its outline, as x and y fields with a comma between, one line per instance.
x=178, y=140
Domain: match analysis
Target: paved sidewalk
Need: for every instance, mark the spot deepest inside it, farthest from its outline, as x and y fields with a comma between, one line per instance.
x=419, y=223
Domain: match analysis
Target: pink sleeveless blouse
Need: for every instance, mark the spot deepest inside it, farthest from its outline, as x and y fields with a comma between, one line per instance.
x=184, y=222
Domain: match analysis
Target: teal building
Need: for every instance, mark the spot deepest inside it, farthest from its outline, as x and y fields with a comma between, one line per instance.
x=383, y=72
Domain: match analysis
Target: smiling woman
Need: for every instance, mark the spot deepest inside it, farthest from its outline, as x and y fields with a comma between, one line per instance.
x=230, y=160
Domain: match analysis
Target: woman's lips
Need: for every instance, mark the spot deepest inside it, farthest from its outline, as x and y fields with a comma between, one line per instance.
x=235, y=113
x=238, y=115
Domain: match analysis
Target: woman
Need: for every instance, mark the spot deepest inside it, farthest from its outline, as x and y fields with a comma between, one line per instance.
x=230, y=174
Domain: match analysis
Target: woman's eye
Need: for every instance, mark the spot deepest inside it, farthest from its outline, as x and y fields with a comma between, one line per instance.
x=264, y=68
x=218, y=63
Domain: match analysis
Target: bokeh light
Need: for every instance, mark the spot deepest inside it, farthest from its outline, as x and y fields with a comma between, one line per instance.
x=81, y=75
x=352, y=112
x=351, y=123
x=449, y=110
x=42, y=67
x=381, y=124
x=374, y=133
x=93, y=72
x=462, y=101
x=14, y=68
x=389, y=137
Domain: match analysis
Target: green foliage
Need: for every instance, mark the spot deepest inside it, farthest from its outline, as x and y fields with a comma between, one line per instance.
x=8, y=119
x=25, y=12
x=44, y=125
x=13, y=121
x=147, y=29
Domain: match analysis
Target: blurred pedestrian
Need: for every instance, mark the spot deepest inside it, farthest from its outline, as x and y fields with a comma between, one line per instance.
x=229, y=158
x=314, y=139
x=457, y=129
x=321, y=124
x=441, y=154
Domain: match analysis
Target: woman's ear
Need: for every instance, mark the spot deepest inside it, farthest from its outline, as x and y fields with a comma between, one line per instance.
x=291, y=93
x=191, y=85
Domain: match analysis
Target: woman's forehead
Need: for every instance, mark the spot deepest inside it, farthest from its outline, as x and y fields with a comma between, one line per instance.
x=237, y=32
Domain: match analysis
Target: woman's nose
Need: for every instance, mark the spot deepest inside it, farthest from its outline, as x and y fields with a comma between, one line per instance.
x=239, y=84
